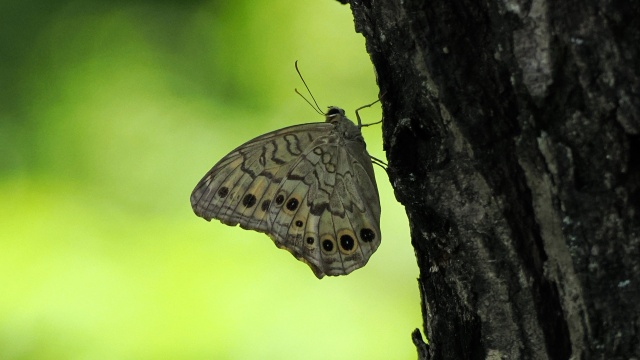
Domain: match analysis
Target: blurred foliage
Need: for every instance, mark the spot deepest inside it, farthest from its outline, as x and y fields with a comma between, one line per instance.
x=110, y=112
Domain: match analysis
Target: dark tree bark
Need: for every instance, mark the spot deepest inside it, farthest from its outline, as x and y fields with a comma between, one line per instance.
x=512, y=134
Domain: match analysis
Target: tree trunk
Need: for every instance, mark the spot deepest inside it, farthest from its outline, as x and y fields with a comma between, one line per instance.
x=512, y=133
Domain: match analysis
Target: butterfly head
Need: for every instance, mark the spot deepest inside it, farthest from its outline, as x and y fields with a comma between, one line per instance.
x=342, y=125
x=334, y=114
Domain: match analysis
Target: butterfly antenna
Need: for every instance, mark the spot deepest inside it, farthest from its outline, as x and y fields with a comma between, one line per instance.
x=308, y=102
x=316, y=107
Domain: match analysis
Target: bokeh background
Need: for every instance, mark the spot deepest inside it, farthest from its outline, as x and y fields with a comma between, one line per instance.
x=110, y=113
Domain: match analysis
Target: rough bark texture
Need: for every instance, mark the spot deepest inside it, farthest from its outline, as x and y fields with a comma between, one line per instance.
x=512, y=133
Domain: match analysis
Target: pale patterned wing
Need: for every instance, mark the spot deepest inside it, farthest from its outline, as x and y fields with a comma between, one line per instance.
x=326, y=210
x=238, y=189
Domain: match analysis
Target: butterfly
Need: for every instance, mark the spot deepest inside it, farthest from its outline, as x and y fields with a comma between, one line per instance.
x=310, y=187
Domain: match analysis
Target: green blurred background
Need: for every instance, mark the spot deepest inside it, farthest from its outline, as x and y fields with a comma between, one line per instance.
x=110, y=113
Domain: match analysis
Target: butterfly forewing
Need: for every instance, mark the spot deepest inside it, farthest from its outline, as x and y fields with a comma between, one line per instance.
x=259, y=159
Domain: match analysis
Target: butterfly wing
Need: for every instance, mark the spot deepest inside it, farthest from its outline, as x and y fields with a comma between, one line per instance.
x=330, y=216
x=239, y=188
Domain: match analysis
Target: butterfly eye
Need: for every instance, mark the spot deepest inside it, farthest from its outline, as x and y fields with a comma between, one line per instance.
x=334, y=111
x=310, y=240
x=347, y=241
x=292, y=204
x=224, y=191
x=328, y=245
x=265, y=205
x=249, y=200
x=367, y=235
